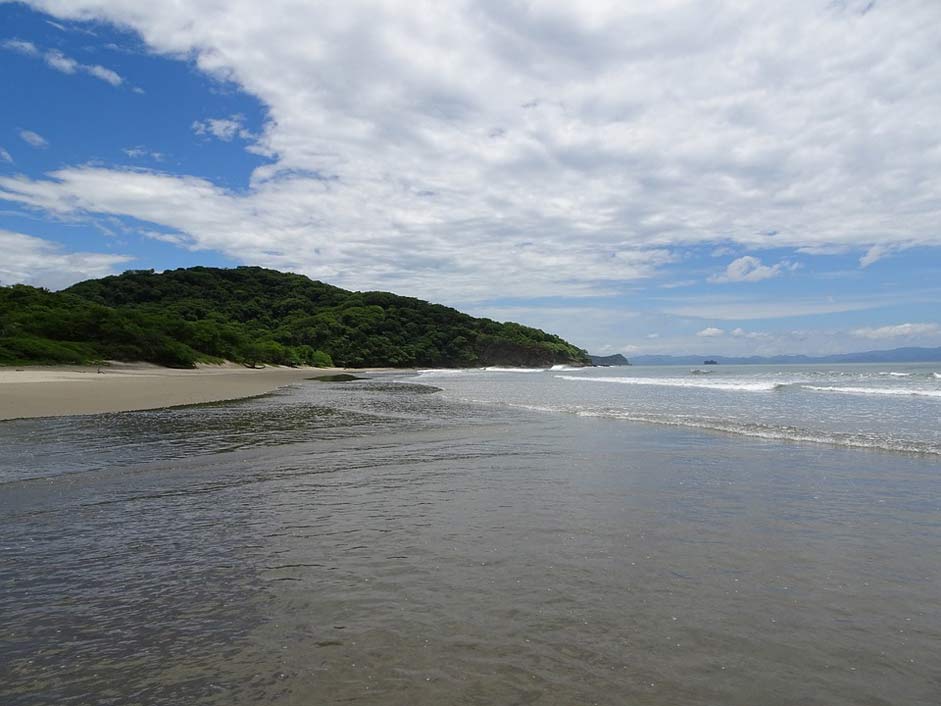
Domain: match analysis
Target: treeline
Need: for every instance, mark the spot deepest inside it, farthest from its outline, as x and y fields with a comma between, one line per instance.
x=253, y=316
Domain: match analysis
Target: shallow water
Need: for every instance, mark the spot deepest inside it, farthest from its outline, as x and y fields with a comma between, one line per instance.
x=384, y=543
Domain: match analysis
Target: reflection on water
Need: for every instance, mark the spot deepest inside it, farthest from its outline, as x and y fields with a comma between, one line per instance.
x=374, y=543
x=305, y=413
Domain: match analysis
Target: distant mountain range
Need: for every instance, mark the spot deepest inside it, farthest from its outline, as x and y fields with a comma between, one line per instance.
x=896, y=355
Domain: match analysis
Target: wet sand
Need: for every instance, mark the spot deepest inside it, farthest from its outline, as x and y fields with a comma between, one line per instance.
x=67, y=390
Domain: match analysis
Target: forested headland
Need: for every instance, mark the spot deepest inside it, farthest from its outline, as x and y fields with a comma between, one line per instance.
x=254, y=316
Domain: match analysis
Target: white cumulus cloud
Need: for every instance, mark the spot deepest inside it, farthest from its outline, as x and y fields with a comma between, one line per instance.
x=749, y=269
x=711, y=332
x=5, y=156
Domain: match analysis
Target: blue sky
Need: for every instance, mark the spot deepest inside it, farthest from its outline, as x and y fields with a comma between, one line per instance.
x=669, y=178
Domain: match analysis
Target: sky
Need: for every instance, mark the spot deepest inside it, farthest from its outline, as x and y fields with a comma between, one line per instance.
x=674, y=176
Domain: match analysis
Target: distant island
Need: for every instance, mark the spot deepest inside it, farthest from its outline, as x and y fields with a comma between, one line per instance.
x=895, y=355
x=609, y=360
x=255, y=316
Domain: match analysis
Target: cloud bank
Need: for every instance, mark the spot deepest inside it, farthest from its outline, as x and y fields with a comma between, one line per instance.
x=480, y=149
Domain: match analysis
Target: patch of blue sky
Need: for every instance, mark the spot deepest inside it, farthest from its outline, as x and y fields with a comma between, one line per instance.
x=145, y=122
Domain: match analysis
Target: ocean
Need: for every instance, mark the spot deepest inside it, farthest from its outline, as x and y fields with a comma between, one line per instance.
x=896, y=408
x=660, y=535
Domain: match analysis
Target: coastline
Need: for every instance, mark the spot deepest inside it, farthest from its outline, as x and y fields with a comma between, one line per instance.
x=57, y=391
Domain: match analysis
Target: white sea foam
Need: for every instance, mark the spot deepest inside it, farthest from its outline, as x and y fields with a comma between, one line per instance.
x=727, y=385
x=751, y=429
x=896, y=375
x=567, y=368
x=936, y=376
x=892, y=391
x=498, y=369
x=442, y=372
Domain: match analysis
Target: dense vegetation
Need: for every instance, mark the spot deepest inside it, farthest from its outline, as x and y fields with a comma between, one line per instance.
x=253, y=315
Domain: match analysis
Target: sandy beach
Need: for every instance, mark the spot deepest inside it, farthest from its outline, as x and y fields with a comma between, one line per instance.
x=120, y=387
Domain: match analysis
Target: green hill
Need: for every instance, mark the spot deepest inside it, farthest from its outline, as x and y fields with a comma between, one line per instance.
x=254, y=315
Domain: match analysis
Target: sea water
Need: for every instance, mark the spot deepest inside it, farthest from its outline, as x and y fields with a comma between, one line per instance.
x=892, y=407
x=481, y=537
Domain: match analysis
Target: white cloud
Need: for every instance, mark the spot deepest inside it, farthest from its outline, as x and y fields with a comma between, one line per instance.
x=41, y=263
x=742, y=333
x=310, y=226
x=60, y=62
x=750, y=269
x=225, y=129
x=877, y=252
x=474, y=149
x=141, y=151
x=20, y=46
x=105, y=74
x=711, y=332
x=34, y=139
x=898, y=331
x=5, y=156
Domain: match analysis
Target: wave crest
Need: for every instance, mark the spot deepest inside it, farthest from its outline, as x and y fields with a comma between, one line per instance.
x=751, y=429
x=726, y=385
x=498, y=369
x=893, y=391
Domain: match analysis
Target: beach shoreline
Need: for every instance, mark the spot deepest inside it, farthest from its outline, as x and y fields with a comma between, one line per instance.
x=55, y=391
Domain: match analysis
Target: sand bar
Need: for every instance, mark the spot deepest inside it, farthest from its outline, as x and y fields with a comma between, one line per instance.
x=59, y=391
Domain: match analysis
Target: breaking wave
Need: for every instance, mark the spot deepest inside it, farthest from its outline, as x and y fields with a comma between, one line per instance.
x=760, y=386
x=498, y=369
x=751, y=429
x=727, y=385
x=894, y=391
